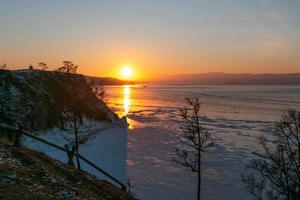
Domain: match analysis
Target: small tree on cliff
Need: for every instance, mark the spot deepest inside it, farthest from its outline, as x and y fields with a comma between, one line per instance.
x=3, y=66
x=68, y=67
x=98, y=89
x=100, y=92
x=43, y=66
x=195, y=140
x=74, y=111
x=74, y=116
x=277, y=174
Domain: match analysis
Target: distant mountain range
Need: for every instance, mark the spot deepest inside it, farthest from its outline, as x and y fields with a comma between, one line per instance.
x=230, y=79
x=107, y=81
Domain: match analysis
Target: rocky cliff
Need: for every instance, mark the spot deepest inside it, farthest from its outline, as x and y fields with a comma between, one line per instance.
x=39, y=100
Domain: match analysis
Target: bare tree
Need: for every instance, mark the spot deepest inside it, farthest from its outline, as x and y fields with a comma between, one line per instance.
x=75, y=117
x=43, y=65
x=78, y=130
x=195, y=139
x=3, y=66
x=77, y=125
x=277, y=174
x=68, y=67
x=99, y=91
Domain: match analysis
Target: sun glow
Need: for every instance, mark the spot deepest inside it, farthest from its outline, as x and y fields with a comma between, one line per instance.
x=126, y=71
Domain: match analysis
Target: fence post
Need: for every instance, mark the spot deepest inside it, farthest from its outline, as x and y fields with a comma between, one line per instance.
x=70, y=154
x=124, y=188
x=17, y=142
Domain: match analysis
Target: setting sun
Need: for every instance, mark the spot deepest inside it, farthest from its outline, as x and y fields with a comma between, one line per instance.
x=157, y=93
x=126, y=71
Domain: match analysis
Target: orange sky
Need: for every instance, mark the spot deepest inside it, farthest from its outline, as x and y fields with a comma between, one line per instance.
x=155, y=37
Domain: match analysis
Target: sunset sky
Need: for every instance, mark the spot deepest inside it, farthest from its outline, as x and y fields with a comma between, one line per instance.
x=154, y=37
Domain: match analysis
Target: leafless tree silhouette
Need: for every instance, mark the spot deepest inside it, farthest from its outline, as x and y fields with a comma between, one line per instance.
x=68, y=67
x=100, y=92
x=43, y=65
x=195, y=139
x=276, y=176
x=3, y=66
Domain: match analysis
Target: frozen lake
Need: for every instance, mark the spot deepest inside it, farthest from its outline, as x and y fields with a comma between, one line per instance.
x=234, y=115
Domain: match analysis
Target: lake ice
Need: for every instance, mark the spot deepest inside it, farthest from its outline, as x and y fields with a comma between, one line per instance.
x=234, y=115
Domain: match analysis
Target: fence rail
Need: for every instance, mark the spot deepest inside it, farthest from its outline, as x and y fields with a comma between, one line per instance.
x=21, y=132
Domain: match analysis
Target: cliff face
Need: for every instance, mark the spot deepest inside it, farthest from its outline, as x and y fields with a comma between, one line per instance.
x=39, y=100
x=27, y=175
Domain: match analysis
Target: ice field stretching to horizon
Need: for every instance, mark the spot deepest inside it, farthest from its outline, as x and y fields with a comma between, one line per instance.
x=234, y=115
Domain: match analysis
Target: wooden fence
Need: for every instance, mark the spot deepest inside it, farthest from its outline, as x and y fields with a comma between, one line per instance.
x=21, y=132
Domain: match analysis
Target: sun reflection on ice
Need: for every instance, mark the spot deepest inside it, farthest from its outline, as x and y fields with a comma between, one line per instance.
x=126, y=100
x=127, y=103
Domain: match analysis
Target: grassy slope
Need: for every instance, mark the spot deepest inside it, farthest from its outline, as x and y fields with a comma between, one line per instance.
x=27, y=175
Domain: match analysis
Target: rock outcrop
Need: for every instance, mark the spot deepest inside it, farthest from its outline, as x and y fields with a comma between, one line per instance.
x=39, y=100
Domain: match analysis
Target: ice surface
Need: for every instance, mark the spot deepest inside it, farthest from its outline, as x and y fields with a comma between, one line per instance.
x=235, y=116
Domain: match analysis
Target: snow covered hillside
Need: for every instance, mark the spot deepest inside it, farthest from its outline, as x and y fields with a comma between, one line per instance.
x=106, y=146
x=55, y=106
